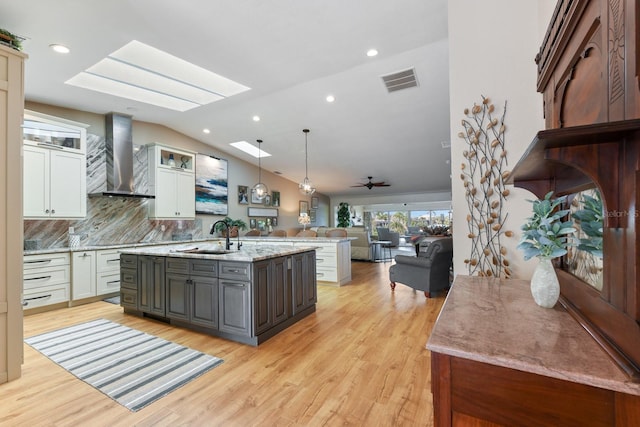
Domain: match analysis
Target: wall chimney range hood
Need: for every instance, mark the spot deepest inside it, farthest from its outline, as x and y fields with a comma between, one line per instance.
x=119, y=150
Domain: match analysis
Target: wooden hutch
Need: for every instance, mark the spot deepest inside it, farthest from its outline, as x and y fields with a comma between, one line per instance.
x=589, y=74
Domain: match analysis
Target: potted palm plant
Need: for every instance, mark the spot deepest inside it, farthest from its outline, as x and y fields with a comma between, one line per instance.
x=234, y=226
x=546, y=236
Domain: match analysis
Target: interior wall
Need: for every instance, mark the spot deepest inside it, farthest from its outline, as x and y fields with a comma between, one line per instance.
x=492, y=47
x=240, y=172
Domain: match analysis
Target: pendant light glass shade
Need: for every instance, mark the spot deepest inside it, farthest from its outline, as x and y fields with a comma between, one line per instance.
x=306, y=187
x=260, y=190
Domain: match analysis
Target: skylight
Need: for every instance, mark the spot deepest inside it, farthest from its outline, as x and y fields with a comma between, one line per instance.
x=146, y=74
x=249, y=149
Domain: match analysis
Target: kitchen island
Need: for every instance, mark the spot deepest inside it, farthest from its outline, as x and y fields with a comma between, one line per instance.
x=246, y=295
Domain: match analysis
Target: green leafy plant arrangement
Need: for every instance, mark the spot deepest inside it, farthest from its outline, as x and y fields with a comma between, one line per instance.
x=344, y=216
x=238, y=223
x=10, y=39
x=591, y=220
x=545, y=234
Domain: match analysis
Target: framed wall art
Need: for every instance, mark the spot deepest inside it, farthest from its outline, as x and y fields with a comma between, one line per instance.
x=314, y=203
x=275, y=199
x=303, y=207
x=243, y=195
x=211, y=185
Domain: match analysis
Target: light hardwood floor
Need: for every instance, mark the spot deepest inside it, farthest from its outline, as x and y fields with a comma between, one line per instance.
x=359, y=360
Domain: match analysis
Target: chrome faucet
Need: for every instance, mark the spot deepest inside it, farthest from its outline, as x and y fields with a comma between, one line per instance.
x=228, y=243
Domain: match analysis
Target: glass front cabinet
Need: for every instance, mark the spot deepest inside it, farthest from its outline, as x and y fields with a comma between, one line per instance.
x=54, y=169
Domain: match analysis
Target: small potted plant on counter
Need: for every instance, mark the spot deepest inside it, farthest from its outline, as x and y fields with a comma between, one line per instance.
x=545, y=236
x=234, y=225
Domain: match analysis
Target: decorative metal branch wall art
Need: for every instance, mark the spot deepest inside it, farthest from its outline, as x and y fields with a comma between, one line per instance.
x=484, y=176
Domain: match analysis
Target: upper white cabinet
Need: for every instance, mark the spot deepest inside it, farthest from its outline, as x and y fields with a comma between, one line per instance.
x=54, y=173
x=172, y=181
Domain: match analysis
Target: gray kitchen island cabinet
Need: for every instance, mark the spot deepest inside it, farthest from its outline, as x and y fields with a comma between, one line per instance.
x=246, y=296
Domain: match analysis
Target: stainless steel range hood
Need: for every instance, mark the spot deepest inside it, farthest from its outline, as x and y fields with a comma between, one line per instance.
x=119, y=148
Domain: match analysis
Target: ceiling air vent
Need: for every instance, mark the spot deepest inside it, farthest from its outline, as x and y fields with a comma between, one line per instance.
x=401, y=80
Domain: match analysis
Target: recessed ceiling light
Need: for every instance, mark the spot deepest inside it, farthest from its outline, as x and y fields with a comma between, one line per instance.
x=59, y=48
x=331, y=98
x=372, y=52
x=205, y=130
x=250, y=149
x=256, y=118
x=146, y=74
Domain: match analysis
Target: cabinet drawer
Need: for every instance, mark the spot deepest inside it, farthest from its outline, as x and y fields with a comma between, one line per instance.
x=177, y=265
x=129, y=278
x=46, y=296
x=129, y=298
x=45, y=260
x=328, y=261
x=128, y=260
x=204, y=267
x=107, y=261
x=108, y=283
x=41, y=277
x=326, y=274
x=234, y=270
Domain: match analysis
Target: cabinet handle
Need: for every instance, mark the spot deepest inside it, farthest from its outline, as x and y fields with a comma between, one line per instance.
x=84, y=255
x=114, y=260
x=48, y=145
x=26, y=300
x=38, y=278
x=319, y=260
x=46, y=211
x=319, y=274
x=40, y=261
x=113, y=282
x=53, y=211
x=234, y=284
x=233, y=270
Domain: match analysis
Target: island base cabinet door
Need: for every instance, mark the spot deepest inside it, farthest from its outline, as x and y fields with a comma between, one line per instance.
x=262, y=297
x=303, y=277
x=235, y=306
x=151, y=286
x=177, y=296
x=281, y=290
x=204, y=301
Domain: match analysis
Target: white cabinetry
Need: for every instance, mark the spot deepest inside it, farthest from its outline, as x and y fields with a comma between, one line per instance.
x=333, y=261
x=46, y=279
x=83, y=275
x=107, y=271
x=54, y=173
x=95, y=273
x=172, y=181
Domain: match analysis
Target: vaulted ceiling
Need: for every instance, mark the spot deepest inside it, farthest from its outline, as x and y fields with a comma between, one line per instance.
x=292, y=54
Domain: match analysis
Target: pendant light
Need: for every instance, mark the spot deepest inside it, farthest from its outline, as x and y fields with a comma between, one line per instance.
x=305, y=186
x=260, y=190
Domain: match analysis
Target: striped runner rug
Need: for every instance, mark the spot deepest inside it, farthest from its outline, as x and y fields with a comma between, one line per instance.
x=131, y=367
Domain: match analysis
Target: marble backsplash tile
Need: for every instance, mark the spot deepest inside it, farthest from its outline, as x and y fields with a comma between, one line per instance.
x=111, y=220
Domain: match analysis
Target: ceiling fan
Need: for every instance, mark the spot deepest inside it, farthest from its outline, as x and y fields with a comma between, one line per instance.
x=370, y=184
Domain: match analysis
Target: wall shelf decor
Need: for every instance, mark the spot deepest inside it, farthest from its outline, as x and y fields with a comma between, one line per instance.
x=264, y=212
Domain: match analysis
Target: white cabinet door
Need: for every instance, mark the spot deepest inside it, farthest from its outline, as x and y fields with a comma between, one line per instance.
x=83, y=275
x=185, y=196
x=165, y=201
x=36, y=182
x=68, y=185
x=55, y=184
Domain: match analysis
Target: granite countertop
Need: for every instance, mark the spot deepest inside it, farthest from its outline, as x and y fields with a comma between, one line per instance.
x=245, y=254
x=497, y=322
x=205, y=239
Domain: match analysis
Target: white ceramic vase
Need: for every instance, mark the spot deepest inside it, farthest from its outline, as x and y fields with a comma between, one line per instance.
x=545, y=287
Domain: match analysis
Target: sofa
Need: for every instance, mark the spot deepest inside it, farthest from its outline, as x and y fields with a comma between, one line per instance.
x=429, y=271
x=360, y=246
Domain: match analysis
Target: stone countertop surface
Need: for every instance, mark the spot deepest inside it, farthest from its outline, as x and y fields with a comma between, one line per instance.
x=245, y=254
x=496, y=321
x=207, y=239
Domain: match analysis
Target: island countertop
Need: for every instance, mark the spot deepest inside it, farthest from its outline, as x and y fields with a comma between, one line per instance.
x=497, y=322
x=249, y=253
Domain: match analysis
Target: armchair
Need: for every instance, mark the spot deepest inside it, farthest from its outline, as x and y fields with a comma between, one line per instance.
x=391, y=236
x=428, y=272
